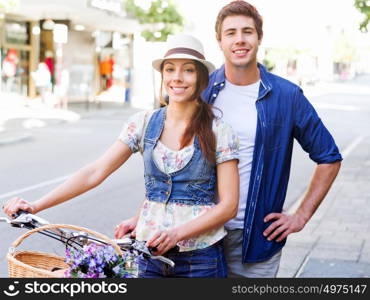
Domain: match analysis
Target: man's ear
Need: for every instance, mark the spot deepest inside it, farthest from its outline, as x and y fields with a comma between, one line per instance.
x=218, y=42
x=260, y=40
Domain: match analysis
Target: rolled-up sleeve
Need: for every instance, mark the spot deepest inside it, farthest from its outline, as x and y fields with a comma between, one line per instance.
x=311, y=133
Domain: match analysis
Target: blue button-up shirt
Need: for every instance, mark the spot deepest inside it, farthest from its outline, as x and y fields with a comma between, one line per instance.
x=284, y=113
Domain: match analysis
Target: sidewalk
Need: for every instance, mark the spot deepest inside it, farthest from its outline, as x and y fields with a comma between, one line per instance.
x=336, y=241
x=19, y=115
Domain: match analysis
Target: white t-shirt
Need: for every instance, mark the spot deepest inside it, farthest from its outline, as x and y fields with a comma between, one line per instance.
x=238, y=106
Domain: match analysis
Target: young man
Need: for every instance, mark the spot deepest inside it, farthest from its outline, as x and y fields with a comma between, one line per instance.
x=267, y=112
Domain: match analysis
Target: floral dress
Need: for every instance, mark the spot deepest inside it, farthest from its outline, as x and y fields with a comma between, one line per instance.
x=157, y=216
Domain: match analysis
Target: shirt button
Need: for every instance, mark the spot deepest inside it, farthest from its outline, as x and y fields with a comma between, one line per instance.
x=169, y=181
x=215, y=83
x=167, y=193
x=222, y=84
x=214, y=95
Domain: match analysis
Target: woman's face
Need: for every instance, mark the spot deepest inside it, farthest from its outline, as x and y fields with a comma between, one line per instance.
x=179, y=79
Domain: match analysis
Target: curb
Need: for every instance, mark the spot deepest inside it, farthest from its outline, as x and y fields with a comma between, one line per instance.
x=11, y=138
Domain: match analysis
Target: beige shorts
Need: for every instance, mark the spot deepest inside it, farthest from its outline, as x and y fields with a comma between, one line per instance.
x=233, y=252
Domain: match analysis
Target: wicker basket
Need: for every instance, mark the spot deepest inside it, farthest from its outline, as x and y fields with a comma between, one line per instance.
x=32, y=264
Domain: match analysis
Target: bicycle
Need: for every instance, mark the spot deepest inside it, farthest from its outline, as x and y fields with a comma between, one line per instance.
x=40, y=264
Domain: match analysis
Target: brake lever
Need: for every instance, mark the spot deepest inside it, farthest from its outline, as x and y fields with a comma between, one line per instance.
x=124, y=243
x=25, y=219
x=141, y=247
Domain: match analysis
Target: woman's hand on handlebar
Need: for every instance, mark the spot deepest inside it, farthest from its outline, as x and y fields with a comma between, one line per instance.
x=16, y=204
x=163, y=241
x=125, y=227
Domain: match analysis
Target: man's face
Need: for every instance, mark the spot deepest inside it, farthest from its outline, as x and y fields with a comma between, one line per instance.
x=239, y=41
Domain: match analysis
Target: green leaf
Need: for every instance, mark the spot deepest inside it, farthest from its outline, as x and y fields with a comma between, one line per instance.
x=161, y=16
x=364, y=7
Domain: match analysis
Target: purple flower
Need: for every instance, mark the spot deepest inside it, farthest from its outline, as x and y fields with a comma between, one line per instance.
x=98, y=261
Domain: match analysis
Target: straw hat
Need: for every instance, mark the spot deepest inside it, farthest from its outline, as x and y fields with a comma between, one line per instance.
x=185, y=47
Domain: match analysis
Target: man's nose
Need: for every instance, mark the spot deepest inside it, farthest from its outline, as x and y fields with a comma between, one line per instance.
x=240, y=38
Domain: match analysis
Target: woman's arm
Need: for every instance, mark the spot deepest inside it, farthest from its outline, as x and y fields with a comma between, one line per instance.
x=226, y=209
x=83, y=180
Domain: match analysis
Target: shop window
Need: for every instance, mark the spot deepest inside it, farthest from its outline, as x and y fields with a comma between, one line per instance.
x=17, y=32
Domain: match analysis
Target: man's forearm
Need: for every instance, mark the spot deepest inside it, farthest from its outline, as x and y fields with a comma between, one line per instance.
x=322, y=179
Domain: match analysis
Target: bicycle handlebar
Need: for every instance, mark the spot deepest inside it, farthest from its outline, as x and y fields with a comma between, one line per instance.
x=24, y=219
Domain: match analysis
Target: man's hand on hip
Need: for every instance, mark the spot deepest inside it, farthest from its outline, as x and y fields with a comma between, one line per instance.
x=283, y=225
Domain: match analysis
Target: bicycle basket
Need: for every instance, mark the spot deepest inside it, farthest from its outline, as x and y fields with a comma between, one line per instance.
x=35, y=264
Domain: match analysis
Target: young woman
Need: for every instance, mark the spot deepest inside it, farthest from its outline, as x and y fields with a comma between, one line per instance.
x=188, y=156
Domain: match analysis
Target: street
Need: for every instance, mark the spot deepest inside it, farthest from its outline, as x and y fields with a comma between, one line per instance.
x=43, y=161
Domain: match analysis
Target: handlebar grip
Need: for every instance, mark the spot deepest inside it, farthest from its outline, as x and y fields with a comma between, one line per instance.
x=19, y=212
x=152, y=249
x=175, y=249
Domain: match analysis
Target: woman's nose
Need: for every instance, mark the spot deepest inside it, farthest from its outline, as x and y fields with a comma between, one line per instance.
x=177, y=76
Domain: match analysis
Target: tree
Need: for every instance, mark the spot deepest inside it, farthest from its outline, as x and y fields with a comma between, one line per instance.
x=364, y=7
x=8, y=5
x=160, y=18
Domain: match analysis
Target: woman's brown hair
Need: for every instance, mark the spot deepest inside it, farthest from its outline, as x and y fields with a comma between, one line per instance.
x=200, y=124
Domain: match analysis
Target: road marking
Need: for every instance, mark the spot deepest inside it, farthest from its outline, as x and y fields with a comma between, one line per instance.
x=345, y=153
x=34, y=187
x=302, y=266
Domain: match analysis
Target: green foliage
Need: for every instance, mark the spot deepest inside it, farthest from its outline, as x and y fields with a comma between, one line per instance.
x=364, y=7
x=8, y=5
x=160, y=17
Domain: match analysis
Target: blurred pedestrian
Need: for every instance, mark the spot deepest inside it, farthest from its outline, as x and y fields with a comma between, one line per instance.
x=9, y=68
x=50, y=62
x=42, y=79
x=106, y=71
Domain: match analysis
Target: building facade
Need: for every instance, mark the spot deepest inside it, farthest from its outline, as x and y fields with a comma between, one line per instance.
x=74, y=50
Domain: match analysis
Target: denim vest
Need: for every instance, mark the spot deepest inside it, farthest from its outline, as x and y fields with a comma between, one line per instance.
x=194, y=184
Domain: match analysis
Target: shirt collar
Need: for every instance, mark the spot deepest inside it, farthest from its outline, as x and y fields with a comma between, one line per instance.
x=265, y=86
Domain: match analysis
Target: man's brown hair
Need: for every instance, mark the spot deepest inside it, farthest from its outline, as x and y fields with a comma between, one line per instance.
x=237, y=8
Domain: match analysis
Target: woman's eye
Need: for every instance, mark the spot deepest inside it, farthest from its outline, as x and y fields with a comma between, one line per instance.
x=189, y=70
x=168, y=70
